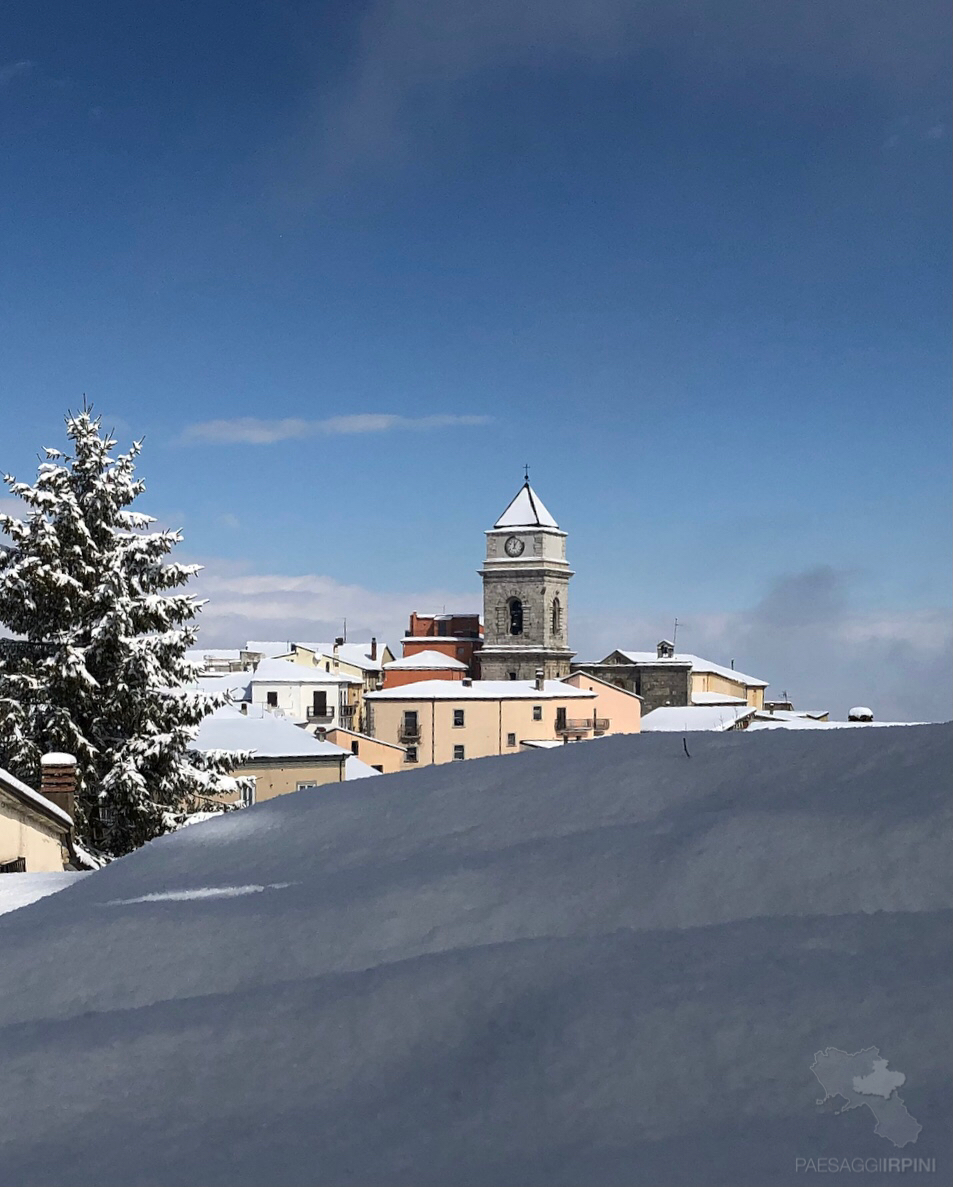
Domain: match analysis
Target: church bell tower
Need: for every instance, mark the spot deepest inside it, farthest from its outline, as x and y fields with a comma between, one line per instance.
x=525, y=594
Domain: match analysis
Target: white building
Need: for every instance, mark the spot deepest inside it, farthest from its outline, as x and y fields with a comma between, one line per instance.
x=307, y=696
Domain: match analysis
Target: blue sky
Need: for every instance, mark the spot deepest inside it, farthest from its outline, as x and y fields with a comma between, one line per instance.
x=691, y=265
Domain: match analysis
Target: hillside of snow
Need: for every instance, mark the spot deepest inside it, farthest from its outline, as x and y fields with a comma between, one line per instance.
x=609, y=963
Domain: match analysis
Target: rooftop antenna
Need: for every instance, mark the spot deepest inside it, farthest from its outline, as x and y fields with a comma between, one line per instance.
x=345, y=630
x=675, y=632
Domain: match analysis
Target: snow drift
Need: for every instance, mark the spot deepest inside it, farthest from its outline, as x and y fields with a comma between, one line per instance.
x=606, y=964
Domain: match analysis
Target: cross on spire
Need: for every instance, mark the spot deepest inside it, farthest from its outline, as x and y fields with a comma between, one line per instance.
x=526, y=472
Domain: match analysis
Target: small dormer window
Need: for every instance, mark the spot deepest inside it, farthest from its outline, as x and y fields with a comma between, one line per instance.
x=665, y=650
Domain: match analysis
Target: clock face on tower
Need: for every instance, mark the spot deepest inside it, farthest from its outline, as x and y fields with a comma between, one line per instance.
x=513, y=546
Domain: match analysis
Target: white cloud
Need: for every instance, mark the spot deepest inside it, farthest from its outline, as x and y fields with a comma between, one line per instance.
x=245, y=606
x=249, y=430
x=12, y=70
x=804, y=635
x=411, y=55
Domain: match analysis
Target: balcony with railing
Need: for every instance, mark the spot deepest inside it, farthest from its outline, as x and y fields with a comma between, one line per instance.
x=583, y=725
x=408, y=733
x=320, y=712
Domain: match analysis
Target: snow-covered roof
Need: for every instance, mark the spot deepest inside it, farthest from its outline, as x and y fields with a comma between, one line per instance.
x=688, y=718
x=286, y=671
x=716, y=698
x=354, y=768
x=542, y=743
x=267, y=735
x=20, y=791
x=427, y=660
x=271, y=648
x=394, y=982
x=358, y=655
x=364, y=737
x=479, y=690
x=199, y=654
x=232, y=684
x=698, y=665
x=526, y=511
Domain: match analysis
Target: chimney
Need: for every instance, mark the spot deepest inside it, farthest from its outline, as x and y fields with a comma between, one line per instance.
x=540, y=680
x=373, y=649
x=58, y=781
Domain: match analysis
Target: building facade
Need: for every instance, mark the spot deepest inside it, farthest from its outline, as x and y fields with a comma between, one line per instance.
x=437, y=721
x=525, y=594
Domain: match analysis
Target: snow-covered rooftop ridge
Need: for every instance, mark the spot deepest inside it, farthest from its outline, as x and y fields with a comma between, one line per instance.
x=499, y=936
x=17, y=788
x=716, y=698
x=267, y=735
x=426, y=660
x=287, y=671
x=269, y=647
x=198, y=654
x=699, y=664
x=356, y=768
x=688, y=718
x=526, y=511
x=487, y=690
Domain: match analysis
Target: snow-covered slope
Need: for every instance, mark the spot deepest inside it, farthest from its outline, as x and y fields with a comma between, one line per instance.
x=19, y=890
x=607, y=963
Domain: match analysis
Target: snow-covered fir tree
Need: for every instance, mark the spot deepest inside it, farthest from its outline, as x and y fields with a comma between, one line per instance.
x=100, y=670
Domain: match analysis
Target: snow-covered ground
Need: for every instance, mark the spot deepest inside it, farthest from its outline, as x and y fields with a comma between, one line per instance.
x=18, y=890
x=603, y=964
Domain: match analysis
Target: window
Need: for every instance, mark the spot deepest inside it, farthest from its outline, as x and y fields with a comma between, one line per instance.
x=461, y=653
x=561, y=718
x=458, y=717
x=306, y=785
x=515, y=607
x=511, y=675
x=248, y=793
x=557, y=617
x=410, y=728
x=319, y=704
x=411, y=755
x=537, y=712
x=354, y=747
x=272, y=699
x=458, y=753
x=511, y=739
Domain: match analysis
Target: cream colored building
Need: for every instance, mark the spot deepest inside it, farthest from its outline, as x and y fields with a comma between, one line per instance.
x=34, y=832
x=438, y=721
x=283, y=757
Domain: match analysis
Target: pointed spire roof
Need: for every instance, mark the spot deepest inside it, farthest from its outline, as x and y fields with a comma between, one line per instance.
x=526, y=511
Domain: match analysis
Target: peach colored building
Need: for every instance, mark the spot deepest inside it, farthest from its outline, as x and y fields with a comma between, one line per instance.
x=622, y=708
x=385, y=757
